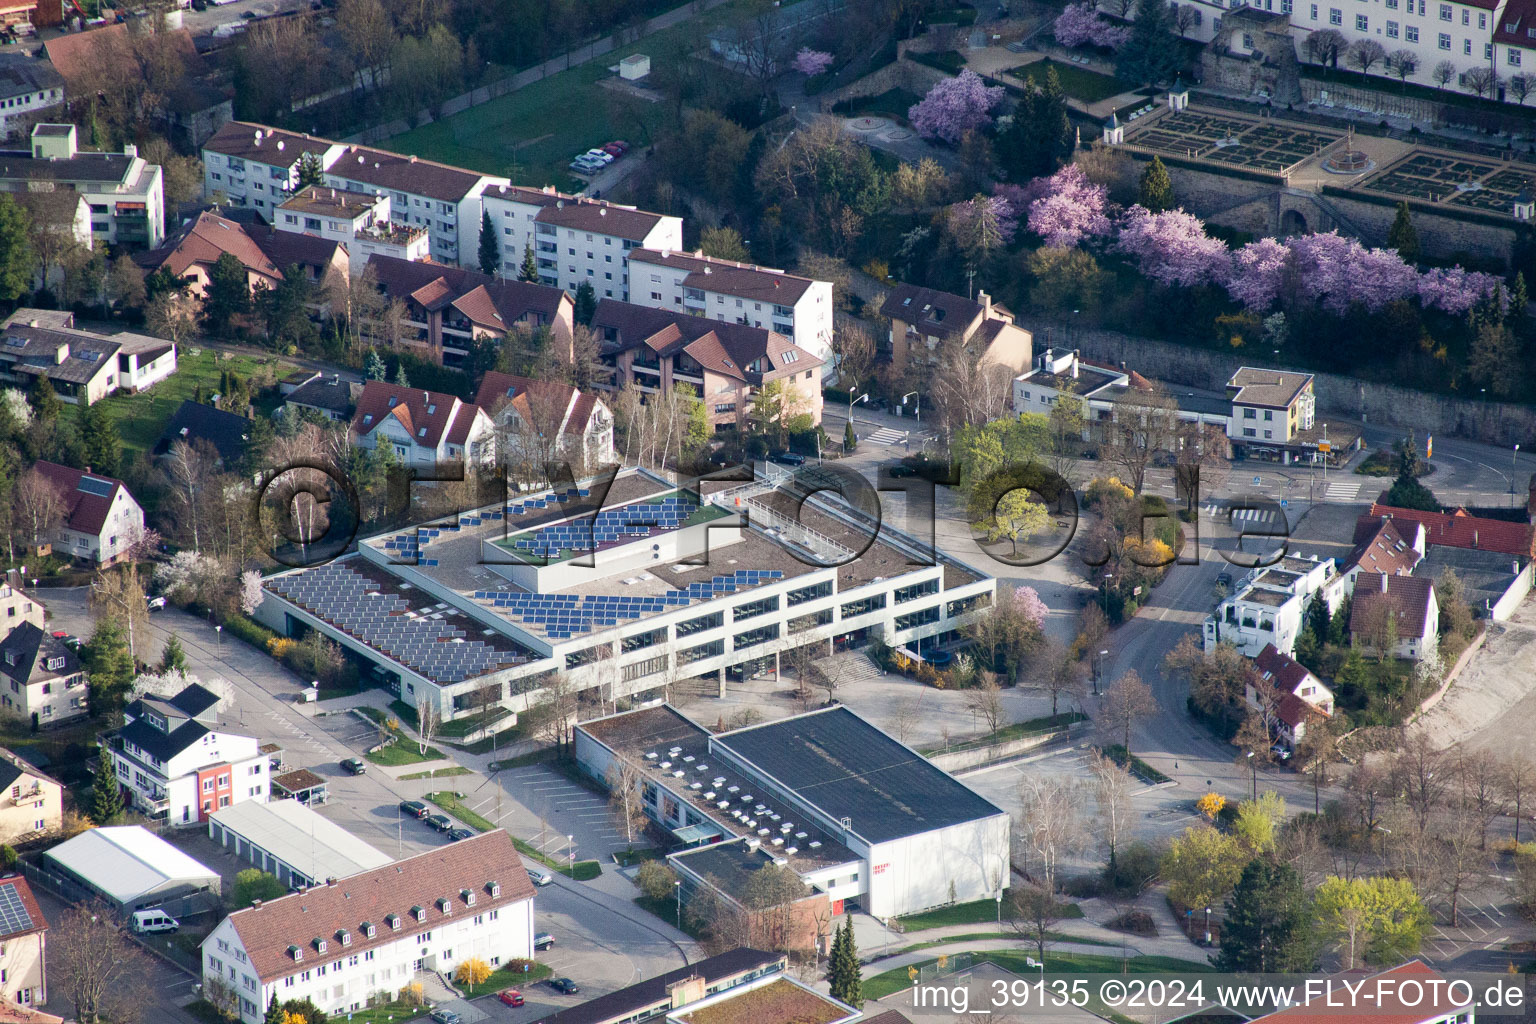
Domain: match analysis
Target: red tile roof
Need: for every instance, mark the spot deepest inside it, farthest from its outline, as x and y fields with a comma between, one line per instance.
x=264, y=144
x=399, y=173
x=1407, y=595
x=84, y=512
x=1381, y=547
x=581, y=214
x=1287, y=675
x=1516, y=26
x=1460, y=530
x=203, y=241
x=728, y=276
x=491, y=302
x=1388, y=1007
x=574, y=407
x=23, y=891
x=723, y=348
x=437, y=413
x=270, y=932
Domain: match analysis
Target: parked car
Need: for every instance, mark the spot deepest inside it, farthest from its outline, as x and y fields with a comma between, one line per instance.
x=585, y=165
x=155, y=603
x=1281, y=752
x=455, y=834
x=543, y=940
x=602, y=156
x=614, y=150
x=901, y=471
x=510, y=996
x=443, y=1016
x=74, y=643
x=621, y=145
x=354, y=766
x=441, y=822
x=538, y=876
x=565, y=986
x=60, y=634
x=787, y=458
x=415, y=808
x=153, y=922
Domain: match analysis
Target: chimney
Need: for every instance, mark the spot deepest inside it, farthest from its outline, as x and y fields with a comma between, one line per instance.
x=255, y=904
x=986, y=305
x=1383, y=583
x=1074, y=364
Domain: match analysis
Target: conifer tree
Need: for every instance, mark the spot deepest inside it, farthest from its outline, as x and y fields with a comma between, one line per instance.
x=1156, y=189
x=1403, y=236
x=107, y=804
x=530, y=271
x=844, y=973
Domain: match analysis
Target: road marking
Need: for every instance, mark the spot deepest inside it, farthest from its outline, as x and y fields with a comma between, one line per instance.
x=1497, y=942
x=885, y=435
x=1344, y=490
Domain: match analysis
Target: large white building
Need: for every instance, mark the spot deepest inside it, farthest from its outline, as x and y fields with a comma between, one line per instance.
x=125, y=192
x=1267, y=606
x=340, y=943
x=621, y=592
x=256, y=166
x=860, y=817
x=359, y=221
x=174, y=762
x=796, y=307
x=576, y=240
x=296, y=844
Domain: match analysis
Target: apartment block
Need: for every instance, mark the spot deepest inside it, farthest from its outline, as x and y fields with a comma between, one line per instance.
x=125, y=192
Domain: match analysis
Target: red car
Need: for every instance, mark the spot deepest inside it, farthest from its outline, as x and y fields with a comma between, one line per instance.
x=510, y=996
x=60, y=634
x=617, y=147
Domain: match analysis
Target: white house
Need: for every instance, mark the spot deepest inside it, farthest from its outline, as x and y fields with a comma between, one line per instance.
x=574, y=239
x=425, y=427
x=340, y=943
x=27, y=84
x=359, y=221
x=1267, y=606
x=101, y=519
x=125, y=192
x=83, y=366
x=173, y=761
x=1293, y=693
x=41, y=680
x=1408, y=602
x=796, y=307
x=581, y=423
x=257, y=166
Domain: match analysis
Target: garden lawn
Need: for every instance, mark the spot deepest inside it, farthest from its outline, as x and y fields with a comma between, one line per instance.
x=1077, y=82
x=399, y=752
x=436, y=773
x=893, y=103
x=531, y=135
x=975, y=912
x=896, y=979
x=507, y=977
x=140, y=418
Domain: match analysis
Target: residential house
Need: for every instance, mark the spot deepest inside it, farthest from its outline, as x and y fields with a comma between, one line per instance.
x=445, y=308
x=1461, y=529
x=331, y=397
x=18, y=16
x=1384, y=545
x=528, y=413
x=925, y=319
x=27, y=85
x=446, y=201
x=16, y=604
x=1272, y=415
x=1293, y=694
x=174, y=762
x=194, y=423
x=796, y=307
x=425, y=427
x=724, y=364
x=677, y=989
x=1402, y=609
x=24, y=936
x=341, y=943
x=256, y=166
x=1268, y=606
x=358, y=221
x=83, y=366
x=31, y=802
x=124, y=191
x=265, y=254
x=576, y=240
x=101, y=523
x=43, y=681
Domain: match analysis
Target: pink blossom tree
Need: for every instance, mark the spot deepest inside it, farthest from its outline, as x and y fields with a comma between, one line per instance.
x=811, y=62
x=1257, y=270
x=1172, y=248
x=1027, y=601
x=955, y=106
x=1068, y=209
x=1335, y=272
x=1080, y=23
x=1454, y=290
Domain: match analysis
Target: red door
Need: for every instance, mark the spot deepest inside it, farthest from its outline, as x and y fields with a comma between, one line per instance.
x=837, y=907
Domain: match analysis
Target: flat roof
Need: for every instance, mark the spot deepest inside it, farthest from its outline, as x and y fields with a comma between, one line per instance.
x=642, y=995
x=127, y=861
x=302, y=838
x=780, y=1001
x=847, y=768
x=1260, y=595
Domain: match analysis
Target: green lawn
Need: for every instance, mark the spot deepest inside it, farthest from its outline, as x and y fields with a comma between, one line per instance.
x=897, y=979
x=436, y=773
x=1016, y=731
x=1050, y=936
x=390, y=1013
x=893, y=103
x=532, y=135
x=508, y=977
x=140, y=418
x=401, y=752
x=1077, y=82
x=975, y=912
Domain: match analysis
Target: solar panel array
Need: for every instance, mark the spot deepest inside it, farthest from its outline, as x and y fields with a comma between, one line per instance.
x=91, y=485
x=13, y=913
x=561, y=616
x=547, y=501
x=637, y=520
x=425, y=641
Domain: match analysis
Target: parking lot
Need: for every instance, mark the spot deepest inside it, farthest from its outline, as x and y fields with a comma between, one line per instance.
x=564, y=809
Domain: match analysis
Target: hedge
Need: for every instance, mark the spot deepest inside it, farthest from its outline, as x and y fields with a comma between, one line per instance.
x=249, y=630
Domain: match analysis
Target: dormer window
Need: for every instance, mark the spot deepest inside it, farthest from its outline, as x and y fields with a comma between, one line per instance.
x=344, y=936
x=468, y=896
x=445, y=905
x=392, y=401
x=296, y=952
x=494, y=888
x=367, y=419
x=432, y=409
x=54, y=664
x=320, y=945
x=393, y=920
x=368, y=930
x=419, y=913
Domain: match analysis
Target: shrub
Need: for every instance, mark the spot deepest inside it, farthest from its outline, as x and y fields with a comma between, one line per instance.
x=656, y=880
x=472, y=972
x=1134, y=868
x=280, y=646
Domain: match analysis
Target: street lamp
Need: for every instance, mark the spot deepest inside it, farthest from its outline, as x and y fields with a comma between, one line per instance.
x=918, y=405
x=218, y=631
x=1254, y=770
x=855, y=401
x=1207, y=926
x=999, y=908
x=677, y=887
x=1098, y=672
x=1512, y=468
x=1107, y=577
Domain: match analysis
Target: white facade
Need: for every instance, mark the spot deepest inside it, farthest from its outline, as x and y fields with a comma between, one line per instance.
x=124, y=191
x=123, y=529
x=573, y=239
x=217, y=771
x=360, y=223
x=737, y=293
x=1269, y=605
x=452, y=222
x=255, y=166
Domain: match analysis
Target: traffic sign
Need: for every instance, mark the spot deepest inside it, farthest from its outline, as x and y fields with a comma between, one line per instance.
x=1255, y=481
x=1324, y=446
x=1284, y=503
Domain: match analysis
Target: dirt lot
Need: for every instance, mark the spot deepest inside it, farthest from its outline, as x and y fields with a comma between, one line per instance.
x=1491, y=706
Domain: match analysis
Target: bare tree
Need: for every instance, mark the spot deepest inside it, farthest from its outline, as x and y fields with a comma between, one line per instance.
x=1112, y=795
x=1126, y=701
x=37, y=508
x=1365, y=54
x=1521, y=86
x=986, y=700
x=1478, y=778
x=1325, y=46
x=1482, y=80
x=103, y=974
x=118, y=594
x=1517, y=778
x=854, y=348
x=1146, y=423
x=1402, y=64
x=1442, y=73
x=1419, y=774
x=1184, y=19
x=1060, y=674
x=428, y=720
x=626, y=797
x=1049, y=828
x=904, y=717
x=190, y=469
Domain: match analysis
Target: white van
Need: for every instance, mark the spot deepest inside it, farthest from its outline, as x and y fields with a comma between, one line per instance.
x=152, y=922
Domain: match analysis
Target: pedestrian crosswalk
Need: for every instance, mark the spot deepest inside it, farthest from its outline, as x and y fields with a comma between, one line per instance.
x=1257, y=516
x=1343, y=490
x=885, y=435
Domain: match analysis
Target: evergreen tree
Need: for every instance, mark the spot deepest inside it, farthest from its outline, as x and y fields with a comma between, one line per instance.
x=490, y=251
x=1268, y=926
x=374, y=368
x=44, y=400
x=100, y=442
x=401, y=380
x=275, y=1012
x=311, y=171
x=850, y=442
x=1403, y=236
x=1152, y=54
x=1156, y=189
x=16, y=260
x=107, y=801
x=229, y=294
x=844, y=972
x=1338, y=625
x=109, y=666
x=1040, y=139
x=530, y=271
x=586, y=304
x=173, y=658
